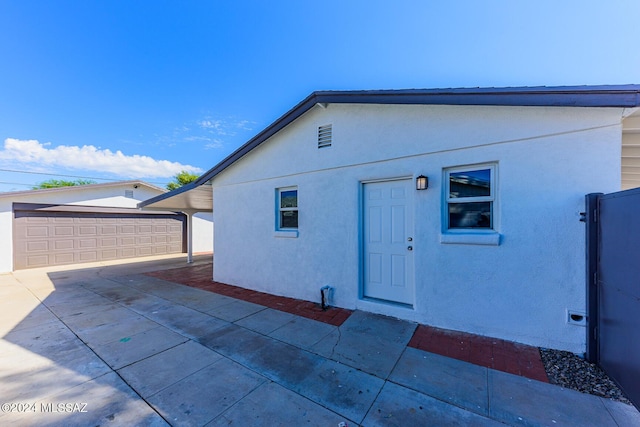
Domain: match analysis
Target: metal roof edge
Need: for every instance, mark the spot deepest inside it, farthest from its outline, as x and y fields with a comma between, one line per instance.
x=573, y=96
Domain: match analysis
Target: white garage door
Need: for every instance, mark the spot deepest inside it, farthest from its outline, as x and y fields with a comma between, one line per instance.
x=47, y=235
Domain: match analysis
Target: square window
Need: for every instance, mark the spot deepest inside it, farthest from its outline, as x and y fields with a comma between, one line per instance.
x=287, y=208
x=470, y=197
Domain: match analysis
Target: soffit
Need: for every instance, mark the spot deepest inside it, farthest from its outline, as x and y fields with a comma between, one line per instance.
x=631, y=151
x=191, y=198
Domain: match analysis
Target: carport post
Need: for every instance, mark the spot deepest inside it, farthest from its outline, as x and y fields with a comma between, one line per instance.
x=189, y=235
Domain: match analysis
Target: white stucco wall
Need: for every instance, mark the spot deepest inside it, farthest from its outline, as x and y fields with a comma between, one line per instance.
x=203, y=232
x=109, y=196
x=548, y=159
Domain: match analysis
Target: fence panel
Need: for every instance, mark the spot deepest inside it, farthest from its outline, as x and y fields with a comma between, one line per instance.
x=618, y=284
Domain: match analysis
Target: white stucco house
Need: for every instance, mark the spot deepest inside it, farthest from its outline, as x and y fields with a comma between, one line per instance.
x=89, y=223
x=456, y=208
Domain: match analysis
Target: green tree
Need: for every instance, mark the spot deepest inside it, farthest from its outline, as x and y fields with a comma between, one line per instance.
x=55, y=183
x=181, y=179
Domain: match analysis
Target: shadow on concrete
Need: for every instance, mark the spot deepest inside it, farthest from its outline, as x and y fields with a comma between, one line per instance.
x=54, y=327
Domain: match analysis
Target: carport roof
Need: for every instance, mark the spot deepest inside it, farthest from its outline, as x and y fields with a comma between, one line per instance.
x=195, y=196
x=192, y=196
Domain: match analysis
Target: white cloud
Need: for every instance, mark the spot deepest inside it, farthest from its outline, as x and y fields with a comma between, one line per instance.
x=245, y=125
x=209, y=133
x=211, y=124
x=224, y=127
x=197, y=139
x=214, y=144
x=90, y=158
x=217, y=127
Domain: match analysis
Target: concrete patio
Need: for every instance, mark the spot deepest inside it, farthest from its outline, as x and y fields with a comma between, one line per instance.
x=109, y=345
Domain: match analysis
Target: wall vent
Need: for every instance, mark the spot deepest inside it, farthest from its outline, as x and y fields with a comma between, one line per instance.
x=324, y=136
x=128, y=194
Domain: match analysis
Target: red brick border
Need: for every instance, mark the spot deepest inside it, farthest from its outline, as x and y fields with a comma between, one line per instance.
x=200, y=277
x=494, y=353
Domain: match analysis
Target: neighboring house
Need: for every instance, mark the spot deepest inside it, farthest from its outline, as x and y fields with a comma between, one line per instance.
x=86, y=223
x=326, y=196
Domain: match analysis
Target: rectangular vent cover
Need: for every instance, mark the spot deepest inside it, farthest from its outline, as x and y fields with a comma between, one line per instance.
x=128, y=194
x=324, y=136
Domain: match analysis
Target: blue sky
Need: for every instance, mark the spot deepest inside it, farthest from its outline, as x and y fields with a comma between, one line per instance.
x=143, y=89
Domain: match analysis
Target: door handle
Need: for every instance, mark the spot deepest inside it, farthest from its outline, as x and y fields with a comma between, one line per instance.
x=409, y=248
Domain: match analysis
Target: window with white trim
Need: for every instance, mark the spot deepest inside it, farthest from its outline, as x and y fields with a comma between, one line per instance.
x=470, y=197
x=287, y=208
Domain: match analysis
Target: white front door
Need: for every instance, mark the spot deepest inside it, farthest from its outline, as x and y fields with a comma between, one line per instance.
x=388, y=241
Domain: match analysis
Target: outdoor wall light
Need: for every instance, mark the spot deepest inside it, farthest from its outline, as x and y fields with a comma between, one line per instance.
x=422, y=182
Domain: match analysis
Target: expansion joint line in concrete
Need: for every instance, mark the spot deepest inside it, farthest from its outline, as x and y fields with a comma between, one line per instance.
x=97, y=355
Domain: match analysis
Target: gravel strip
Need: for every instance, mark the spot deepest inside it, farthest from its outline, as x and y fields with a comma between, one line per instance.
x=570, y=371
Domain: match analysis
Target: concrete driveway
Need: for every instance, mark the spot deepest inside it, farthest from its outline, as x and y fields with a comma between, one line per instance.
x=107, y=345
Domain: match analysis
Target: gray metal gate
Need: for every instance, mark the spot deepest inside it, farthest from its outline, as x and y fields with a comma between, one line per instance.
x=613, y=269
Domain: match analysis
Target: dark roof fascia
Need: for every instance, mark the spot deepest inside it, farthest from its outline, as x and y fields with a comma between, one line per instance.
x=567, y=96
x=625, y=96
x=46, y=207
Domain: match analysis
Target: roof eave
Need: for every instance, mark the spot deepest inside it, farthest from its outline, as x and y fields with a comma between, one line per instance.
x=563, y=96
